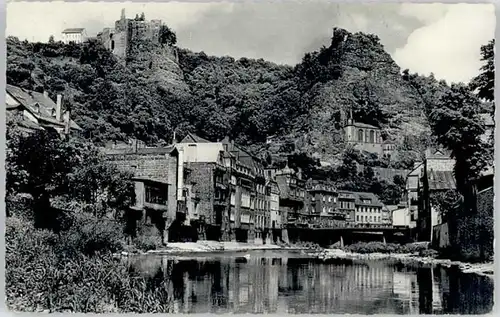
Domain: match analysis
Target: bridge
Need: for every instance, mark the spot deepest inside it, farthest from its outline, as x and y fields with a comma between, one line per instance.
x=349, y=233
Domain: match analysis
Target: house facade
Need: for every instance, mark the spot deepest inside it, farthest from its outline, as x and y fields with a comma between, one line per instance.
x=75, y=35
x=292, y=198
x=369, y=210
x=347, y=206
x=235, y=204
x=321, y=205
x=435, y=174
x=157, y=183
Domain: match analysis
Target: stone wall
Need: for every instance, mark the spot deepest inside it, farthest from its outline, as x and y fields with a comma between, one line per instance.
x=155, y=165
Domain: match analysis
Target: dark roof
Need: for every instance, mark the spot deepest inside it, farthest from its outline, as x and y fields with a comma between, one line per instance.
x=363, y=195
x=73, y=30
x=440, y=180
x=30, y=98
x=193, y=138
x=131, y=150
x=41, y=106
x=25, y=123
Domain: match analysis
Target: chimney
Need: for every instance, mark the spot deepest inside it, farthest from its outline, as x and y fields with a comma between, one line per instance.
x=58, y=107
x=67, y=123
x=45, y=94
x=180, y=174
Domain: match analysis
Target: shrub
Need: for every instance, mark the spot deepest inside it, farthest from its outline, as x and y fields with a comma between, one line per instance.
x=19, y=206
x=89, y=235
x=148, y=238
x=380, y=247
x=40, y=278
x=428, y=253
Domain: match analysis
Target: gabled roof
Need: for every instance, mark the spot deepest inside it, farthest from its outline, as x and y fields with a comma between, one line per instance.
x=28, y=97
x=193, y=138
x=440, y=180
x=39, y=105
x=416, y=169
x=363, y=125
x=364, y=195
x=73, y=30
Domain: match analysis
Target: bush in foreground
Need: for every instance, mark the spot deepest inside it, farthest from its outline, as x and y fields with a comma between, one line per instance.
x=73, y=271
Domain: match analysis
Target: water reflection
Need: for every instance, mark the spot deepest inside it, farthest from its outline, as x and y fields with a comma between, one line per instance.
x=265, y=283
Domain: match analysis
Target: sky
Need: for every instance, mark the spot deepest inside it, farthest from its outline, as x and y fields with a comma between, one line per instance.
x=444, y=39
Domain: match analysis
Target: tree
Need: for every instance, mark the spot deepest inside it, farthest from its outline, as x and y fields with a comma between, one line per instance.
x=46, y=166
x=445, y=201
x=100, y=185
x=484, y=83
x=457, y=126
x=167, y=36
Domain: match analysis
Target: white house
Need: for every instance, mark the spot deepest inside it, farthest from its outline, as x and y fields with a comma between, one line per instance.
x=76, y=35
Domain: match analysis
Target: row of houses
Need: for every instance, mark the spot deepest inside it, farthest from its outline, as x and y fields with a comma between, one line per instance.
x=223, y=192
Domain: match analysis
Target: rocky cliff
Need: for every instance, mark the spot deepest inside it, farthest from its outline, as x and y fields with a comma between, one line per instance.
x=162, y=89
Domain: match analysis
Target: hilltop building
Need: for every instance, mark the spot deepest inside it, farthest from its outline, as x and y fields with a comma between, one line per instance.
x=33, y=111
x=75, y=35
x=126, y=30
x=366, y=137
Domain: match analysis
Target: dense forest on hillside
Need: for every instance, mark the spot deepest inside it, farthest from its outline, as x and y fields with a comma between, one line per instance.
x=160, y=89
x=303, y=107
x=217, y=96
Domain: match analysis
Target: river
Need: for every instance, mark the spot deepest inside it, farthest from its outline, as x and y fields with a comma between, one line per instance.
x=295, y=283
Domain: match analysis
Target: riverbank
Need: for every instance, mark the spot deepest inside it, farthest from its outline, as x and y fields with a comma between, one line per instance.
x=484, y=269
x=202, y=247
x=173, y=248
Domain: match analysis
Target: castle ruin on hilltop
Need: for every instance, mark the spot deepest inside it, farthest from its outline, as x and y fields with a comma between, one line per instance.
x=126, y=31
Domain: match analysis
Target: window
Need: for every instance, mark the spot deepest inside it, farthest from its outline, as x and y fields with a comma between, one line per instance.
x=156, y=194
x=372, y=136
x=357, y=218
x=360, y=135
x=330, y=199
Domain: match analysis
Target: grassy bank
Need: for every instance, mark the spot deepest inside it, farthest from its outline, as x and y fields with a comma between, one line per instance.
x=74, y=271
x=420, y=248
